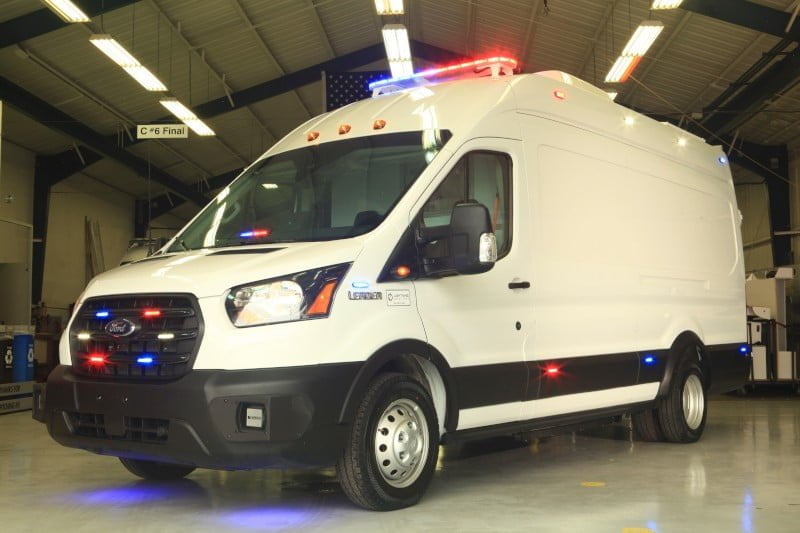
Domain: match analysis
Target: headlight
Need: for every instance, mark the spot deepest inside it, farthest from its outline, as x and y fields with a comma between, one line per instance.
x=299, y=296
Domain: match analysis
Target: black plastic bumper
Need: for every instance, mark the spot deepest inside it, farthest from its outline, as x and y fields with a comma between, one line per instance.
x=199, y=419
x=730, y=368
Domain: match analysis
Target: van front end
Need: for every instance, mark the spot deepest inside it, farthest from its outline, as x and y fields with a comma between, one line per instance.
x=132, y=387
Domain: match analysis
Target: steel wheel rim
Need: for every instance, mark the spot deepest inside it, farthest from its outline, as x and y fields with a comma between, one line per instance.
x=693, y=401
x=401, y=443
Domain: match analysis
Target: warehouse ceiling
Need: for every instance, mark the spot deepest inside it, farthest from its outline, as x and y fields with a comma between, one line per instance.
x=210, y=51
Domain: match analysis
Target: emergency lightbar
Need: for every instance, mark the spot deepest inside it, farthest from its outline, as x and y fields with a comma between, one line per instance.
x=494, y=66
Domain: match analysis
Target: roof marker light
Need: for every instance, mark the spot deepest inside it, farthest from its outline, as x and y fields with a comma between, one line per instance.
x=145, y=360
x=312, y=136
x=560, y=94
x=102, y=314
x=344, y=128
x=505, y=63
x=682, y=141
x=255, y=234
x=612, y=94
x=379, y=124
x=722, y=160
x=629, y=120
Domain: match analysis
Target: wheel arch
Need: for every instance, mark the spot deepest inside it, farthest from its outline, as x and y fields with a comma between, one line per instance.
x=408, y=356
x=674, y=358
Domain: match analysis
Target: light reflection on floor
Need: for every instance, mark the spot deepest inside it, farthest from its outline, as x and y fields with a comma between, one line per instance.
x=742, y=476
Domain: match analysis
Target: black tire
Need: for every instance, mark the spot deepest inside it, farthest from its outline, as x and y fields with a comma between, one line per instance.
x=358, y=470
x=156, y=471
x=646, y=426
x=673, y=421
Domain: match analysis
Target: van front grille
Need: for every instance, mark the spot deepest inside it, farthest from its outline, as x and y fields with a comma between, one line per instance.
x=133, y=429
x=145, y=337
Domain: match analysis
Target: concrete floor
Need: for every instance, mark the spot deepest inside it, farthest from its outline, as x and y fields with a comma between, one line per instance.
x=744, y=475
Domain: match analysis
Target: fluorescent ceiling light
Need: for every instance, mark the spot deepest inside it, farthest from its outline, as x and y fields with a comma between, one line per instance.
x=401, y=69
x=622, y=68
x=186, y=116
x=67, y=11
x=115, y=51
x=644, y=37
x=389, y=7
x=119, y=55
x=612, y=94
x=395, y=39
x=666, y=4
x=146, y=79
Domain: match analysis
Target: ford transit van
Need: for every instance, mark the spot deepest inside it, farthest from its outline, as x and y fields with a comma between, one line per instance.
x=493, y=255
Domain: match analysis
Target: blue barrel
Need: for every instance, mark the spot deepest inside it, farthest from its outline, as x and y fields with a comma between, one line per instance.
x=22, y=367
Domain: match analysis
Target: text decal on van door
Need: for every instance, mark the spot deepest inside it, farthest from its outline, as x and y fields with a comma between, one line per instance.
x=364, y=295
x=398, y=298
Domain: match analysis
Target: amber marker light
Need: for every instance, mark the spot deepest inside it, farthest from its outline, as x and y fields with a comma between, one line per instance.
x=322, y=303
x=379, y=124
x=312, y=136
x=344, y=128
x=402, y=271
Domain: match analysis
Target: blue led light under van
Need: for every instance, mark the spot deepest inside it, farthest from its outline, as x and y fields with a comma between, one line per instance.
x=649, y=360
x=145, y=360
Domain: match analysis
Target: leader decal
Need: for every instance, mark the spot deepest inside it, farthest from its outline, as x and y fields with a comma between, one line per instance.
x=364, y=295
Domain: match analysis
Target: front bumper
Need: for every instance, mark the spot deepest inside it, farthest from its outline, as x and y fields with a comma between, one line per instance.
x=199, y=419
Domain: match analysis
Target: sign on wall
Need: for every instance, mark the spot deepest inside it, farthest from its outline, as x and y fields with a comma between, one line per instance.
x=162, y=131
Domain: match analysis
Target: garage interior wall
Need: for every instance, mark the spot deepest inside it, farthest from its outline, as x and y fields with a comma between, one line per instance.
x=16, y=204
x=65, y=266
x=753, y=200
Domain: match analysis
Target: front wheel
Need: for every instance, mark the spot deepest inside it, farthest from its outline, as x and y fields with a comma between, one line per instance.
x=682, y=414
x=156, y=471
x=393, y=447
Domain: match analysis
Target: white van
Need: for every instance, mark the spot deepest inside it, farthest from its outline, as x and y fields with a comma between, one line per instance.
x=496, y=255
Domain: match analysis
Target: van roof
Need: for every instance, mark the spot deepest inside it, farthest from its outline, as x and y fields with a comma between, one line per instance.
x=462, y=105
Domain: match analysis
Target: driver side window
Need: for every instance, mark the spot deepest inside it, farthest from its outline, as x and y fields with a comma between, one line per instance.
x=484, y=177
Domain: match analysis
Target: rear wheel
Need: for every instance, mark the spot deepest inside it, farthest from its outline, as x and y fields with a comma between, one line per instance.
x=156, y=471
x=683, y=411
x=390, y=457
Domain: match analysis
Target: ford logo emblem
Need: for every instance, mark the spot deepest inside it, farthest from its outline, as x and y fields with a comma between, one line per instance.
x=120, y=327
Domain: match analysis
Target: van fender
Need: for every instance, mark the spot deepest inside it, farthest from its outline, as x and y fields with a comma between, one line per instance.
x=400, y=356
x=675, y=355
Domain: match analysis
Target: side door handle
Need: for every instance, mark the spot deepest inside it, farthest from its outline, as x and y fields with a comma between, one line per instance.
x=519, y=285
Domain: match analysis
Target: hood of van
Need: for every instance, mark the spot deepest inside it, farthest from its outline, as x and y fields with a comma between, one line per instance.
x=212, y=272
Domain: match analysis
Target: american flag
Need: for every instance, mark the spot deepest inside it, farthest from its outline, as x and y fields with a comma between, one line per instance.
x=342, y=88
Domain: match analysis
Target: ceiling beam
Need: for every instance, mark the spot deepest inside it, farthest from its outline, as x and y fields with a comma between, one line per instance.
x=746, y=14
x=163, y=204
x=590, y=51
x=777, y=79
x=57, y=120
x=326, y=41
x=44, y=21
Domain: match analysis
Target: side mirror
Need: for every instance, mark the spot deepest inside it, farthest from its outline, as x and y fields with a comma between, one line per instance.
x=473, y=246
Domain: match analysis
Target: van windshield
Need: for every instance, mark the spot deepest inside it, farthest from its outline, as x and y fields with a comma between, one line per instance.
x=323, y=192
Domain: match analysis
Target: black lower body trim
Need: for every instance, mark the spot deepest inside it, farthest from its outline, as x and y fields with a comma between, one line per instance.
x=201, y=418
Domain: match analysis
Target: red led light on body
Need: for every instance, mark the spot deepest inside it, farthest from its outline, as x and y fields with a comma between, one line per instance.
x=151, y=313
x=96, y=360
x=552, y=370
